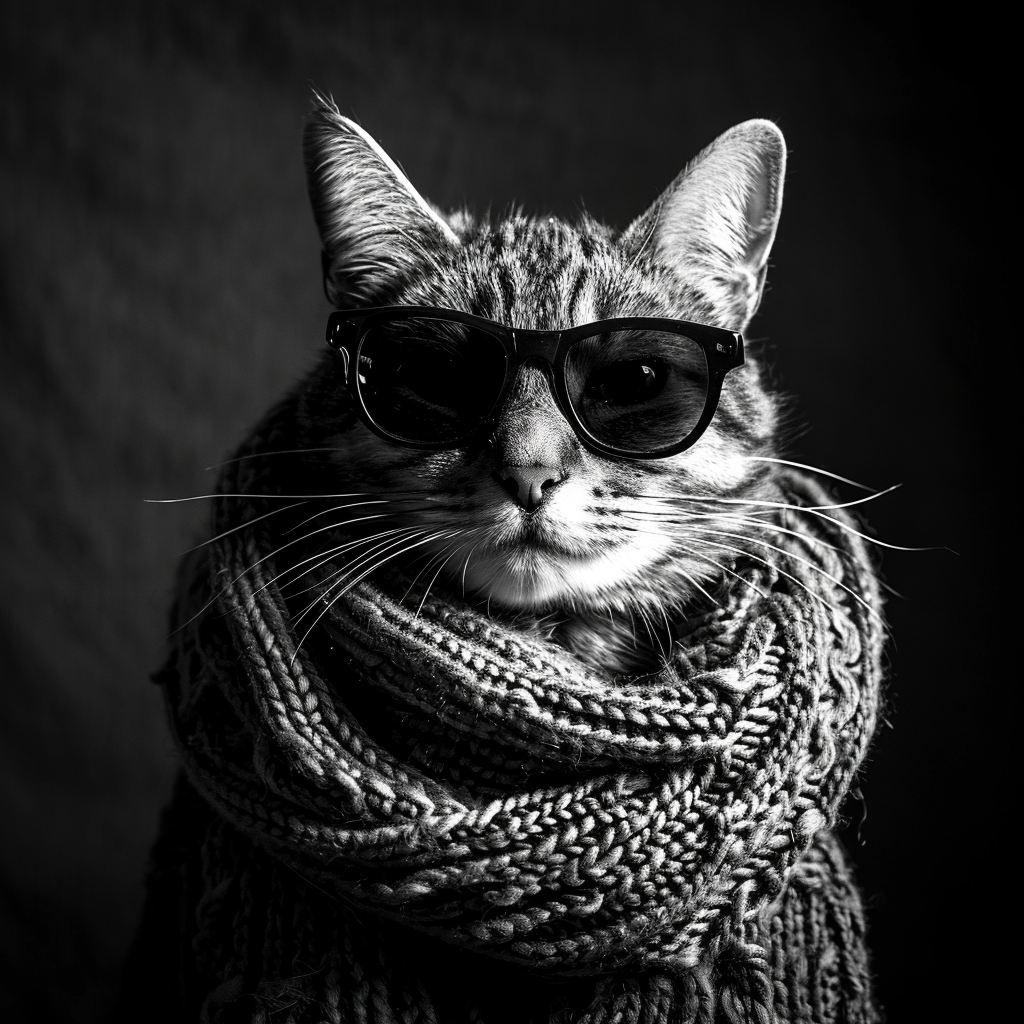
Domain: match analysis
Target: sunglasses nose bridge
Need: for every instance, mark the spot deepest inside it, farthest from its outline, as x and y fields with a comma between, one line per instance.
x=536, y=345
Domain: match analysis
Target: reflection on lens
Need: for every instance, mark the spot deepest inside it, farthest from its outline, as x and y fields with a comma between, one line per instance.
x=639, y=391
x=429, y=380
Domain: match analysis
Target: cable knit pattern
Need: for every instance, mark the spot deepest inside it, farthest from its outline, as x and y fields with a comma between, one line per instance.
x=412, y=776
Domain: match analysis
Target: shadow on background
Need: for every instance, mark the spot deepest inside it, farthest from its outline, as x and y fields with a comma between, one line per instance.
x=160, y=288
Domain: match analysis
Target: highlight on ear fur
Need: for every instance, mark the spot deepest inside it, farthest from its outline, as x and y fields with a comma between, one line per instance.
x=373, y=223
x=715, y=224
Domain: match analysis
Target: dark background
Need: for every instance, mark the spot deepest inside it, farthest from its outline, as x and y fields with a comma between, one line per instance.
x=160, y=287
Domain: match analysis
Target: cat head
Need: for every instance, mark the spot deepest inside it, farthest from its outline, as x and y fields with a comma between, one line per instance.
x=532, y=520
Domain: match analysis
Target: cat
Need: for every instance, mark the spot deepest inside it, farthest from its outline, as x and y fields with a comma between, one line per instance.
x=602, y=555
x=592, y=801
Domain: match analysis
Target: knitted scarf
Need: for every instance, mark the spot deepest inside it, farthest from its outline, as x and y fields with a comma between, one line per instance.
x=411, y=812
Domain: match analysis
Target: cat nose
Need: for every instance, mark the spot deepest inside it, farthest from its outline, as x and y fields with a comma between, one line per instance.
x=529, y=485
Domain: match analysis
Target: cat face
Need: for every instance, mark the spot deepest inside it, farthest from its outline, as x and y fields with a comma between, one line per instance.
x=528, y=519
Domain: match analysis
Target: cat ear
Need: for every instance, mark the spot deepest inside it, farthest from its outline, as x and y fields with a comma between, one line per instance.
x=375, y=227
x=715, y=224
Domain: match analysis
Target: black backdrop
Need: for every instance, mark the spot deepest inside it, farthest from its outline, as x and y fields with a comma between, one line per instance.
x=160, y=287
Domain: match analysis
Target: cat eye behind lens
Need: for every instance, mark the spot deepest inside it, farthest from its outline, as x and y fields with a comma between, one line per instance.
x=634, y=387
x=425, y=380
x=638, y=391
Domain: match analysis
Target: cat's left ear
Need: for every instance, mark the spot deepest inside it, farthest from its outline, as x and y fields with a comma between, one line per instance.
x=715, y=224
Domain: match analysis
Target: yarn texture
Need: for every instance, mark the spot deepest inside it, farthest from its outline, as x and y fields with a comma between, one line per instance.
x=395, y=808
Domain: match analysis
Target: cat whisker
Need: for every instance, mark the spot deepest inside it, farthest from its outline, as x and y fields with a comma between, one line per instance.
x=427, y=566
x=382, y=542
x=343, y=576
x=782, y=572
x=242, y=526
x=816, y=510
x=330, y=553
x=356, y=504
x=349, y=585
x=765, y=503
x=668, y=629
x=693, y=582
x=728, y=518
x=804, y=561
x=367, y=558
x=434, y=580
x=611, y=622
x=307, y=536
x=810, y=469
x=651, y=632
x=757, y=524
x=707, y=558
x=297, y=499
x=213, y=599
x=786, y=554
x=265, y=455
x=333, y=509
x=693, y=513
x=465, y=566
x=250, y=496
x=230, y=583
x=688, y=525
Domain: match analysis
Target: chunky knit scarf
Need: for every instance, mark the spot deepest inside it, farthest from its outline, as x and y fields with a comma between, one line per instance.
x=421, y=815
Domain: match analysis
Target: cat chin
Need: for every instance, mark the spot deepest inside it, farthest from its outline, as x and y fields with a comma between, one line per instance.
x=542, y=581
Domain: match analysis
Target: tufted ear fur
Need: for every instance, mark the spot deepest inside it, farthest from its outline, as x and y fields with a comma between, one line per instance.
x=375, y=227
x=715, y=224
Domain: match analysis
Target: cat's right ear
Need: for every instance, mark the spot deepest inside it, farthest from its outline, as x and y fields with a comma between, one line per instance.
x=374, y=226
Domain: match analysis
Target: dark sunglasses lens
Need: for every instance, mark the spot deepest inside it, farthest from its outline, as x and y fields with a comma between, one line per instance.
x=638, y=391
x=429, y=380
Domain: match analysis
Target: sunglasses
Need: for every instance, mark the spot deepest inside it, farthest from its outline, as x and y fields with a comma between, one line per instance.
x=435, y=379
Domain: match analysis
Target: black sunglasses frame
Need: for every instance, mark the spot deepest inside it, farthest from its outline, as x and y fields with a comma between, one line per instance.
x=723, y=350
